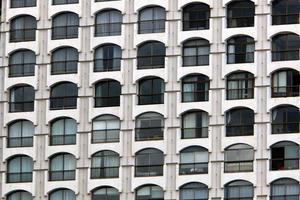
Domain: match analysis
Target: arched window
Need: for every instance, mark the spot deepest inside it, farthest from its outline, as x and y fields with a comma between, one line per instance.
x=60, y=2
x=285, y=83
x=239, y=122
x=285, y=189
x=149, y=162
x=285, y=46
x=149, y=192
x=240, y=85
x=19, y=169
x=63, y=96
x=195, y=88
x=22, y=3
x=62, y=194
x=151, y=91
x=152, y=20
x=151, y=55
x=149, y=126
x=193, y=160
x=195, y=53
x=65, y=26
x=196, y=17
x=22, y=63
x=22, y=29
x=108, y=23
x=62, y=167
x=194, y=125
x=21, y=98
x=285, y=119
x=240, y=13
x=63, y=131
x=284, y=156
x=285, y=12
x=107, y=93
x=20, y=134
x=240, y=49
x=105, y=164
x=107, y=58
x=64, y=61
x=106, y=128
x=105, y=193
x=19, y=195
x=193, y=191
x=238, y=190
x=239, y=158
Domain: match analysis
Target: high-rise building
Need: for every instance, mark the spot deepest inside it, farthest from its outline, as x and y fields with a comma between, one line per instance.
x=149, y=100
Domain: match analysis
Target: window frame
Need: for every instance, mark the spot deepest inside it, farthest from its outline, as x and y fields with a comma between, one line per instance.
x=152, y=169
x=246, y=92
x=22, y=139
x=153, y=95
x=204, y=130
x=64, y=64
x=102, y=171
x=246, y=21
x=22, y=65
x=28, y=33
x=186, y=22
x=106, y=131
x=108, y=64
x=110, y=25
x=23, y=177
x=62, y=175
x=74, y=29
x=64, y=98
x=240, y=129
x=149, y=61
x=201, y=81
x=154, y=22
x=26, y=106
x=198, y=56
x=284, y=17
x=67, y=139
x=108, y=100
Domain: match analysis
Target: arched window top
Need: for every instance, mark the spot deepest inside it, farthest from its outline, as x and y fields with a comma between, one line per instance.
x=149, y=151
x=64, y=17
x=284, y=181
x=117, y=16
x=151, y=45
x=193, y=149
x=240, y=13
x=71, y=50
x=14, y=158
x=105, y=192
x=240, y=39
x=61, y=2
x=149, y=192
x=15, y=56
x=30, y=21
x=240, y=75
x=105, y=153
x=239, y=109
x=152, y=13
x=285, y=107
x=284, y=144
x=106, y=117
x=195, y=7
x=149, y=115
x=238, y=183
x=17, y=122
x=196, y=42
x=64, y=89
x=60, y=155
x=193, y=185
x=239, y=147
x=285, y=12
x=62, y=194
x=19, y=195
x=195, y=77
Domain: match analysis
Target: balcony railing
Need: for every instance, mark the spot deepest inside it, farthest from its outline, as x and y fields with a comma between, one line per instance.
x=18, y=70
x=19, y=142
x=196, y=96
x=199, y=24
x=193, y=168
x=151, y=99
x=22, y=35
x=62, y=139
x=247, y=57
x=152, y=26
x=239, y=130
x=107, y=101
x=289, y=127
x=103, y=136
x=62, y=175
x=197, y=60
x=284, y=197
x=109, y=29
x=283, y=55
x=151, y=62
x=24, y=106
x=65, y=32
x=152, y=170
x=58, y=103
x=243, y=93
x=190, y=133
x=284, y=164
x=150, y=133
x=64, y=67
x=234, y=22
x=285, y=91
x=285, y=19
x=238, y=166
x=107, y=65
x=104, y=172
x=19, y=177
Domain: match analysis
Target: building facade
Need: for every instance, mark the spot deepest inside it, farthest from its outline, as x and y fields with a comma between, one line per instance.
x=149, y=100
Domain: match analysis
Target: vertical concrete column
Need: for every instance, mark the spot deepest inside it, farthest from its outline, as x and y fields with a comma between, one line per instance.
x=128, y=93
x=84, y=93
x=262, y=84
x=41, y=96
x=171, y=89
x=216, y=86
